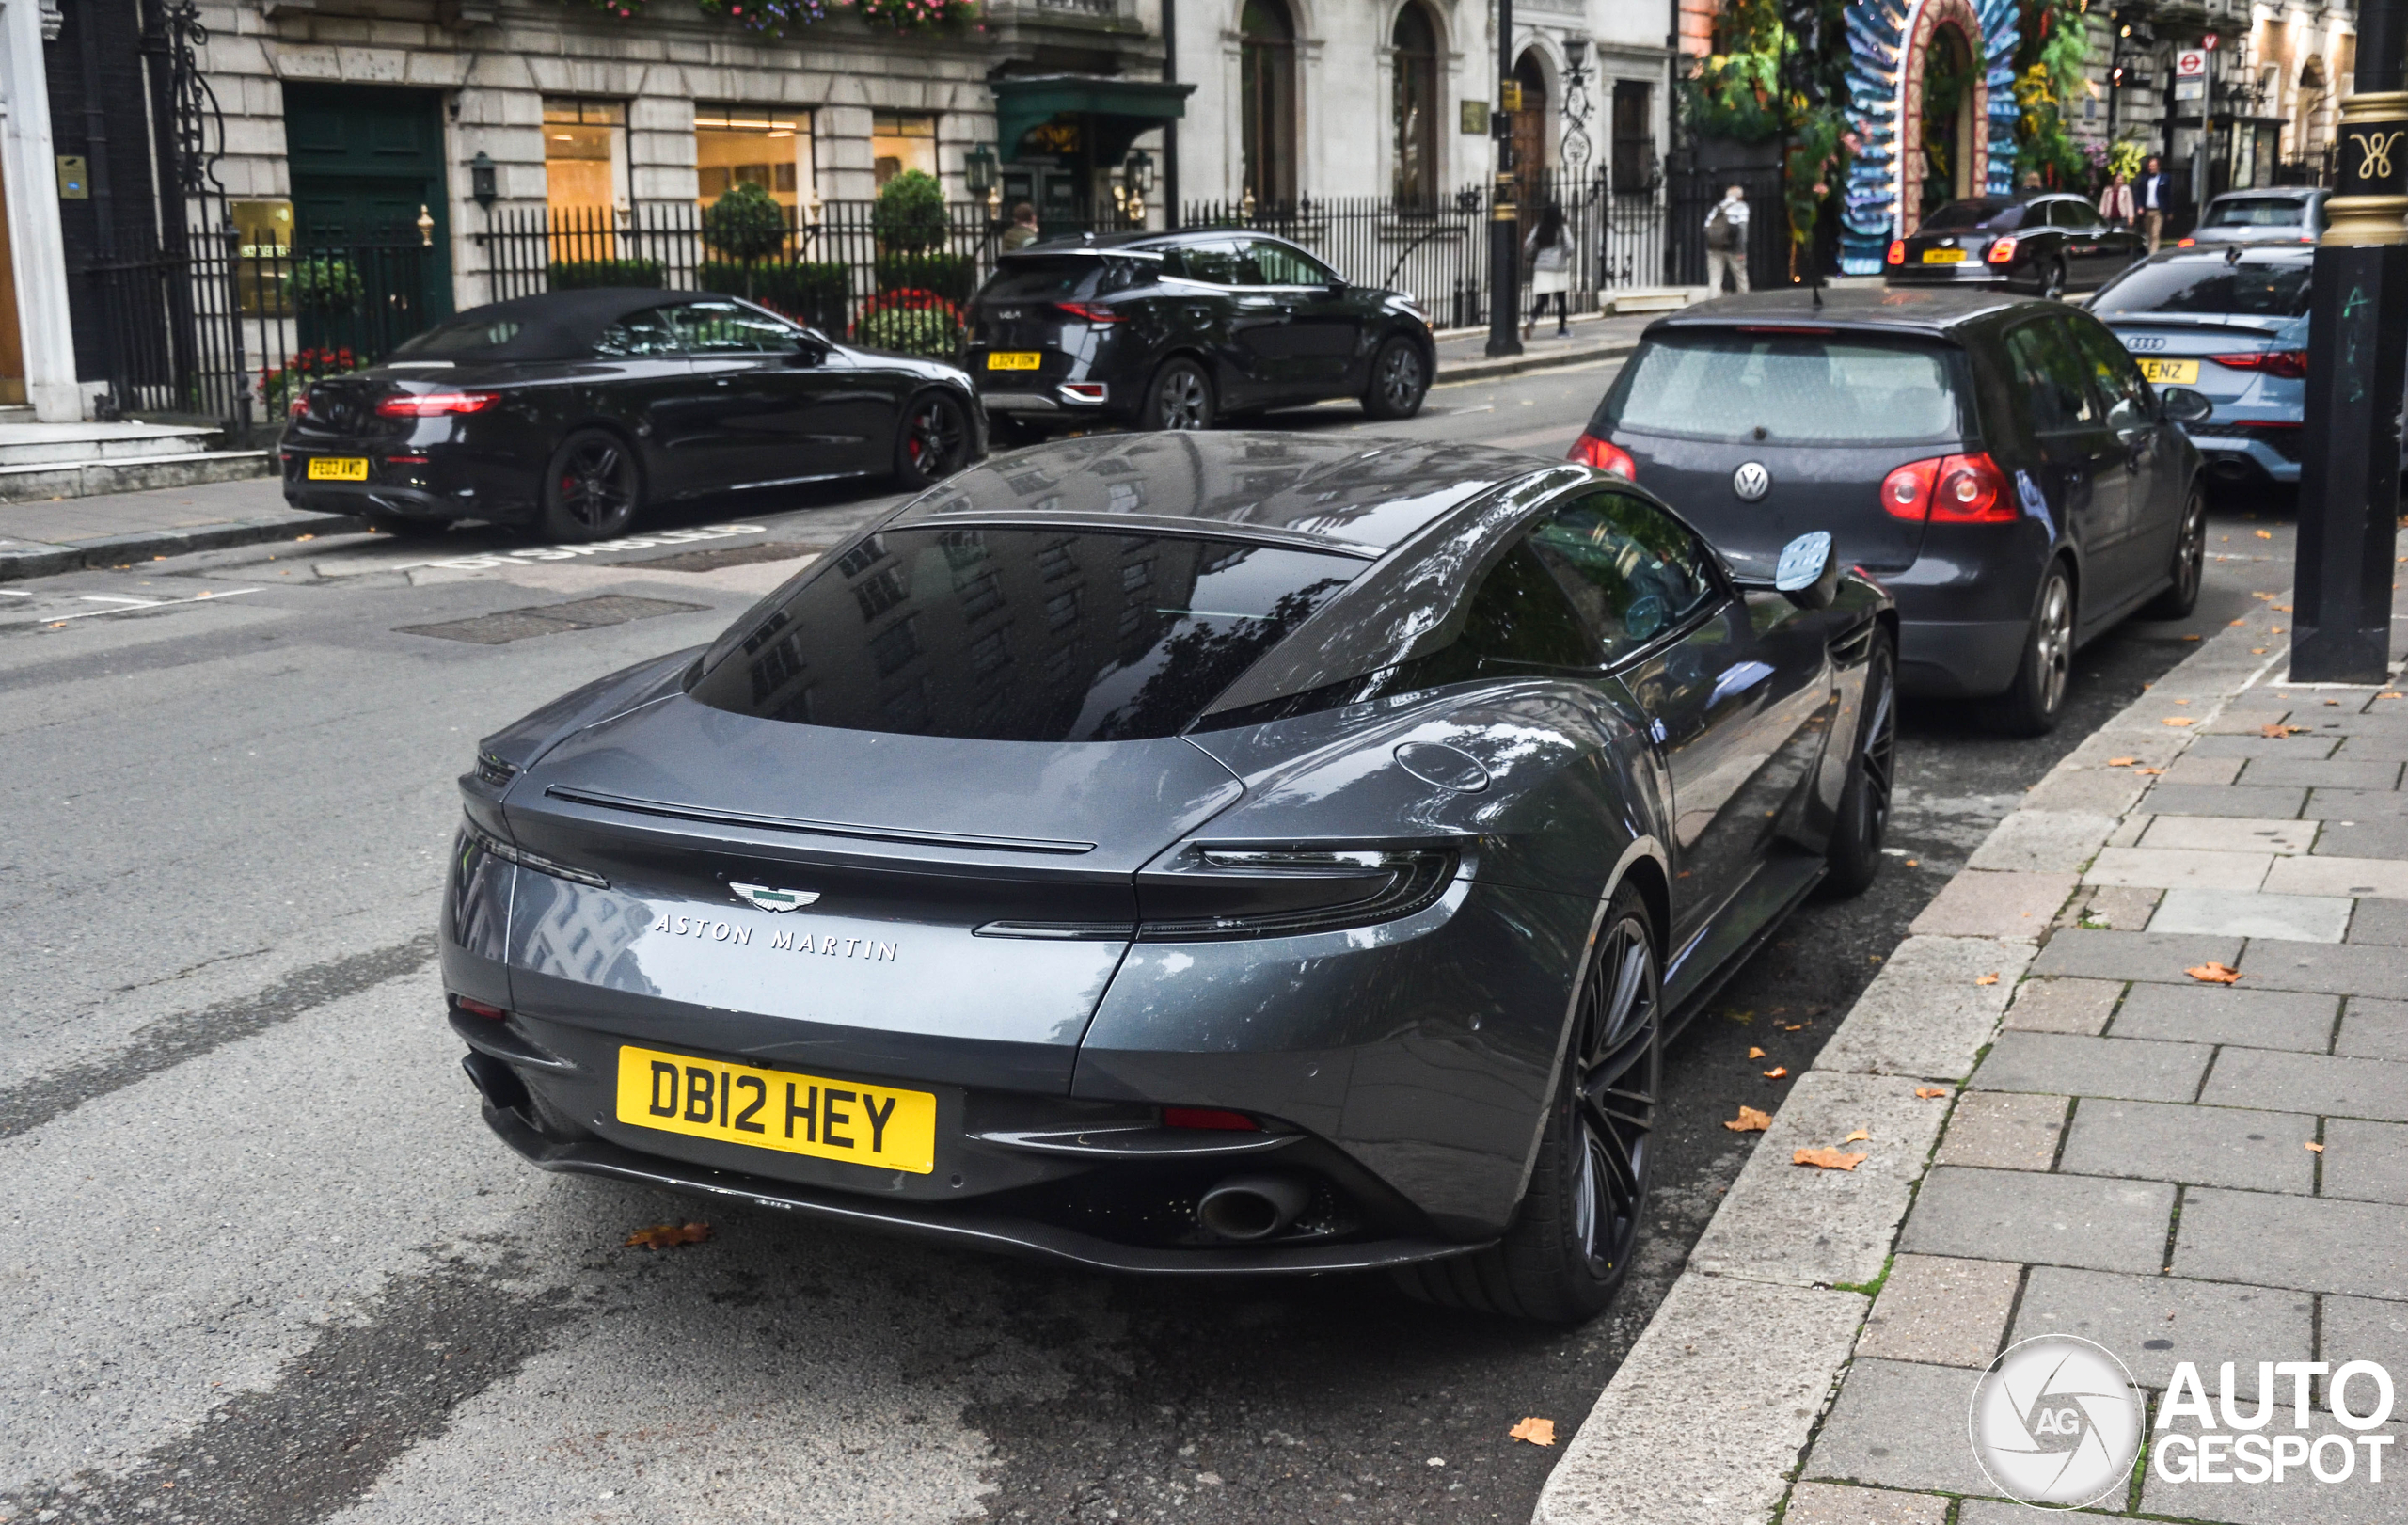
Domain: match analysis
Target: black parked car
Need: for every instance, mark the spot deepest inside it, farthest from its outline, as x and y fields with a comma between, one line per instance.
x=1175, y=332
x=572, y=411
x=2050, y=245
x=2000, y=465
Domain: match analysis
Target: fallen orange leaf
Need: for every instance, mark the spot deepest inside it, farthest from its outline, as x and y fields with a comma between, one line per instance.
x=2214, y=974
x=2265, y=535
x=2277, y=730
x=1928, y=1092
x=2151, y=773
x=2176, y=720
x=2121, y=762
x=668, y=1235
x=1538, y=1432
x=1755, y=1054
x=1776, y=1071
x=1828, y=1159
x=1987, y=979
x=1750, y=1120
x=1857, y=1137
x=2315, y=1147
x=2392, y=695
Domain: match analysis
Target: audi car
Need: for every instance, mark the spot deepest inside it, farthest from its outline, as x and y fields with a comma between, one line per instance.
x=2046, y=245
x=1181, y=853
x=1179, y=330
x=573, y=412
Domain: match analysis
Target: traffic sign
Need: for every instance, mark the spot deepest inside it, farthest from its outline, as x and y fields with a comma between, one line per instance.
x=2191, y=63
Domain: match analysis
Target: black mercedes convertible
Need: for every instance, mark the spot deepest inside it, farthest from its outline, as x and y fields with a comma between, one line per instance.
x=574, y=411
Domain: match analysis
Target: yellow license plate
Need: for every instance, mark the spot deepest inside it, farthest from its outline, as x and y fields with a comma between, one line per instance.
x=879, y=1126
x=1943, y=256
x=338, y=468
x=2171, y=373
x=1014, y=360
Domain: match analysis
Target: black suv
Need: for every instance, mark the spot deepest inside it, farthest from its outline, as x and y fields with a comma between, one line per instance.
x=1177, y=330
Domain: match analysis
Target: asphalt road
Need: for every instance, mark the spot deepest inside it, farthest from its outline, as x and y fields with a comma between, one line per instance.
x=262, y=1263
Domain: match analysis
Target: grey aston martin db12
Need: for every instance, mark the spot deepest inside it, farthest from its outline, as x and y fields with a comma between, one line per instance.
x=1180, y=852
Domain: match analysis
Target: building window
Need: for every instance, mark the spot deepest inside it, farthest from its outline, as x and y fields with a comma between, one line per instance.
x=585, y=155
x=1414, y=107
x=900, y=140
x=764, y=146
x=1634, y=144
x=1267, y=101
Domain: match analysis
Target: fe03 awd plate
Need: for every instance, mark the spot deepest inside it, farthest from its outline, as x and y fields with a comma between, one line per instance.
x=883, y=1127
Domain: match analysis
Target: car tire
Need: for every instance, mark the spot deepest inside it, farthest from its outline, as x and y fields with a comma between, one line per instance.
x=593, y=488
x=2032, y=703
x=2190, y=563
x=1400, y=380
x=1578, y=1228
x=405, y=529
x=931, y=440
x=1853, y=859
x=2053, y=277
x=1180, y=397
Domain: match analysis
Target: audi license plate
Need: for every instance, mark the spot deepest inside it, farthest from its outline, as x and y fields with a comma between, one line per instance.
x=338, y=468
x=1943, y=256
x=880, y=1126
x=2171, y=373
x=1014, y=360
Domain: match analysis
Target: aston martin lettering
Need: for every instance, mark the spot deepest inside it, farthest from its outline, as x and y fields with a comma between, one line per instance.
x=704, y=928
x=831, y=945
x=827, y=945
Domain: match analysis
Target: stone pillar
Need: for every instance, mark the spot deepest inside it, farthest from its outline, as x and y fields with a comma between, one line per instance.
x=40, y=256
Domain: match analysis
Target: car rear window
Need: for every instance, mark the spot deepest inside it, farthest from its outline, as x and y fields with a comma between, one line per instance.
x=2256, y=212
x=1959, y=216
x=1059, y=277
x=1794, y=387
x=2254, y=288
x=1018, y=634
x=462, y=336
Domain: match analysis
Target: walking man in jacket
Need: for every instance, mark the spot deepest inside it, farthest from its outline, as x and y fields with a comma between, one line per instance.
x=1726, y=242
x=2156, y=198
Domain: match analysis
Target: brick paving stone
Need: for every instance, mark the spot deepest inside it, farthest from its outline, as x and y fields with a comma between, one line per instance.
x=2328, y=774
x=2386, y=836
x=1941, y=1311
x=2151, y=1322
x=2167, y=868
x=2300, y=1020
x=2366, y=1162
x=2131, y=955
x=2314, y=1244
x=2372, y=1030
x=2063, y=1064
x=1979, y=903
x=2228, y=834
x=2062, y=1005
x=2381, y=921
x=2364, y=1330
x=2107, y=790
x=2299, y=1498
x=2336, y=875
x=2115, y=908
x=2200, y=1146
x=2345, y=969
x=2298, y=918
x=1998, y=1511
x=2372, y=748
x=2002, y=1130
x=1828, y=1503
x=2228, y=800
x=2104, y=1225
x=2323, y=1083
x=2212, y=772
x=2043, y=841
x=2354, y=805
x=1882, y=1429
x=2253, y=746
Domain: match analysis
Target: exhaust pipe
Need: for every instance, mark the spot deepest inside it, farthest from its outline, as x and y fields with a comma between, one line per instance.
x=496, y=1082
x=1247, y=1208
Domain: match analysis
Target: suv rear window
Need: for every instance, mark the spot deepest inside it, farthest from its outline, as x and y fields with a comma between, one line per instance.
x=1957, y=217
x=1792, y=387
x=1018, y=634
x=1073, y=277
x=2256, y=212
x=2252, y=287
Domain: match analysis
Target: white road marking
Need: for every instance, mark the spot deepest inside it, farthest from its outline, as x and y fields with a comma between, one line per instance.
x=166, y=603
x=596, y=548
x=117, y=598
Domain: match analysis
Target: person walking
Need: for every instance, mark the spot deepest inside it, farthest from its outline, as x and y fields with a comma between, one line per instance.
x=2155, y=199
x=1022, y=233
x=2115, y=202
x=1546, y=264
x=1726, y=242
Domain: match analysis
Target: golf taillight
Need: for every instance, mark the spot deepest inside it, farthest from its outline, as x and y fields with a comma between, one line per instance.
x=2289, y=364
x=2002, y=250
x=1209, y=1117
x=1898, y=254
x=434, y=405
x=1949, y=489
x=1088, y=311
x=1604, y=455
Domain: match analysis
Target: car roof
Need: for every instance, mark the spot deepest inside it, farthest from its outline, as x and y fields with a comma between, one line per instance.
x=2271, y=193
x=1908, y=309
x=1353, y=497
x=2244, y=253
x=1137, y=243
x=563, y=325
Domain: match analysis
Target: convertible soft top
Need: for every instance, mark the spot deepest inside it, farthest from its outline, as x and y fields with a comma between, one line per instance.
x=552, y=325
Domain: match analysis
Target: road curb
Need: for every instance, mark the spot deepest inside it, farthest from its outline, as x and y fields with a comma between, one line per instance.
x=1781, y=1236
x=1490, y=370
x=145, y=545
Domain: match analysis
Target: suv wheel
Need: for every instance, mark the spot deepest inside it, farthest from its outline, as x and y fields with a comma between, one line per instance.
x=1180, y=397
x=1400, y=380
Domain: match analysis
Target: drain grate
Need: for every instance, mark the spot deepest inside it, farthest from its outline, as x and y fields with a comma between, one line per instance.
x=504, y=625
x=711, y=561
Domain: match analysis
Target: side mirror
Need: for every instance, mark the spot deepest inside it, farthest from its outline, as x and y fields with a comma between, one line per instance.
x=806, y=353
x=1809, y=573
x=2126, y=419
x=1337, y=287
x=2185, y=407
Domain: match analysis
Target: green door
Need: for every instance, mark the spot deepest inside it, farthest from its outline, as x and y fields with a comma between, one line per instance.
x=364, y=163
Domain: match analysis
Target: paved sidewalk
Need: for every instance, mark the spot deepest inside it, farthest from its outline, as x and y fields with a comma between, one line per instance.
x=2069, y=1130
x=63, y=534
x=1463, y=353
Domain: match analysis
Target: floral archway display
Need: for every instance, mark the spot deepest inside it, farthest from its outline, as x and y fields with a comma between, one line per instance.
x=1888, y=41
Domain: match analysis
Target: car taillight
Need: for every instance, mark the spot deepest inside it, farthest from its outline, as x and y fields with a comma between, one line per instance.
x=480, y=1009
x=2289, y=364
x=1088, y=311
x=1209, y=1117
x=1950, y=489
x=2186, y=243
x=1604, y=455
x=2002, y=250
x=434, y=405
x=298, y=408
x=1898, y=254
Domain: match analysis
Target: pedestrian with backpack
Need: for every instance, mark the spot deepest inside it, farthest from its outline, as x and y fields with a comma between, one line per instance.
x=1726, y=242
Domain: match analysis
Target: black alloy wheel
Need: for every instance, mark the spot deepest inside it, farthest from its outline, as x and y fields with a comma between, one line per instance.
x=1864, y=819
x=933, y=442
x=2053, y=277
x=1400, y=380
x=2190, y=569
x=2034, y=701
x=1180, y=397
x=593, y=488
x=1577, y=1231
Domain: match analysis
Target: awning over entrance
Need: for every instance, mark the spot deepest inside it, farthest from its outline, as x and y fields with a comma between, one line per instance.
x=1113, y=110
